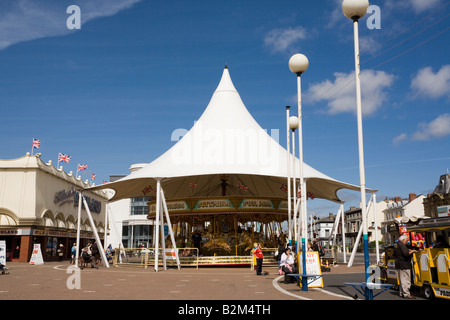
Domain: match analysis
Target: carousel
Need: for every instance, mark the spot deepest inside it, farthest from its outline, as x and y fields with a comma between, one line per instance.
x=222, y=185
x=225, y=218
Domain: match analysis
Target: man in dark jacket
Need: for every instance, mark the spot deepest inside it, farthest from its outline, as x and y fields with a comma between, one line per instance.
x=95, y=255
x=403, y=265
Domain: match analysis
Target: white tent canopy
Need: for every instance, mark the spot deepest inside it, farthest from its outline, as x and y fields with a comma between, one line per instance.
x=226, y=143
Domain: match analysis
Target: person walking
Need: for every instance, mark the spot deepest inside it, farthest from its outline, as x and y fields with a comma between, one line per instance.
x=60, y=252
x=259, y=259
x=95, y=255
x=73, y=253
x=403, y=266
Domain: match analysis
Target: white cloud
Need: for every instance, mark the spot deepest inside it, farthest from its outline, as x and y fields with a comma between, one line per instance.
x=400, y=138
x=423, y=5
x=438, y=128
x=341, y=96
x=25, y=20
x=281, y=40
x=432, y=85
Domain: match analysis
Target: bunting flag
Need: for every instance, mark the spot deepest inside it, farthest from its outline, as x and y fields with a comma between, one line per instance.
x=193, y=185
x=310, y=195
x=147, y=190
x=284, y=188
x=243, y=186
x=105, y=182
x=93, y=176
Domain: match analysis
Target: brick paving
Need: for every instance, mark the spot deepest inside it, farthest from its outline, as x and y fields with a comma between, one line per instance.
x=49, y=282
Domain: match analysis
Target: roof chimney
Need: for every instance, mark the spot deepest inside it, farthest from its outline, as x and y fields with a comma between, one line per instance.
x=412, y=196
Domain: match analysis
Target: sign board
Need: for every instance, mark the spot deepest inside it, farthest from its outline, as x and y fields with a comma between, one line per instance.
x=3, y=252
x=170, y=254
x=36, y=256
x=312, y=267
x=391, y=271
x=443, y=211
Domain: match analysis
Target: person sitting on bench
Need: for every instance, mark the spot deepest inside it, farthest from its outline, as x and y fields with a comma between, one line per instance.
x=287, y=265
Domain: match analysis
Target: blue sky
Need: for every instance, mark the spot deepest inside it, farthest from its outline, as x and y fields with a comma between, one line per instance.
x=111, y=93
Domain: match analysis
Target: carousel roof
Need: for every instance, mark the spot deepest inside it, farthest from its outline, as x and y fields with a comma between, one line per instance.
x=225, y=152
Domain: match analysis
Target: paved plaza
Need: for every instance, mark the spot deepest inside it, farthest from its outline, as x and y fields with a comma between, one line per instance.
x=52, y=280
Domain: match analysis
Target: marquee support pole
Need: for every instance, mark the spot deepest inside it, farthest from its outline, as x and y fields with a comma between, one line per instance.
x=158, y=210
x=97, y=238
x=77, y=254
x=170, y=228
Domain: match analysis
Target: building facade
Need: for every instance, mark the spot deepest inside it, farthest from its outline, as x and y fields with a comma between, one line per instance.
x=129, y=226
x=39, y=205
x=322, y=229
x=401, y=211
x=437, y=204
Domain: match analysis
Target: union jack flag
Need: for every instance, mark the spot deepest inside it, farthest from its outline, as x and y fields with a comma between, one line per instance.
x=310, y=195
x=193, y=185
x=36, y=143
x=64, y=158
x=93, y=176
x=243, y=186
x=147, y=190
x=284, y=188
x=82, y=167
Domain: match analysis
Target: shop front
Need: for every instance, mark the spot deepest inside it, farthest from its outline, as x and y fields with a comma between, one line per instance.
x=39, y=205
x=20, y=242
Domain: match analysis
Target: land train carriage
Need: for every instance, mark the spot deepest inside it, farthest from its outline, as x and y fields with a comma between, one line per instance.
x=430, y=265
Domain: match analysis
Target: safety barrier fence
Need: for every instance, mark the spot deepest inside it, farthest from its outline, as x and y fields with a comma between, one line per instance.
x=188, y=257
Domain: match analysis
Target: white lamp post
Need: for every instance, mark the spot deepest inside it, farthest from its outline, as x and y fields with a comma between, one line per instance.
x=288, y=137
x=298, y=65
x=356, y=9
x=293, y=125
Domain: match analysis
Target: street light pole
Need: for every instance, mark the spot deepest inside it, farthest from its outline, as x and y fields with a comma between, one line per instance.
x=288, y=137
x=293, y=125
x=298, y=65
x=354, y=10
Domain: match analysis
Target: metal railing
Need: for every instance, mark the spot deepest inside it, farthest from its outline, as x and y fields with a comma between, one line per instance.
x=144, y=257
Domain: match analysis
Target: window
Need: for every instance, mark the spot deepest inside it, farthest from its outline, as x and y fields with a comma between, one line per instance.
x=139, y=206
x=50, y=249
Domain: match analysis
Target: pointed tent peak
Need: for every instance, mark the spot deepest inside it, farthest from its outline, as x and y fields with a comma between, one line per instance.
x=225, y=83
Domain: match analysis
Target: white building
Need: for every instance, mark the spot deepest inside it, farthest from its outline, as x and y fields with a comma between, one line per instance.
x=129, y=226
x=39, y=205
x=400, y=210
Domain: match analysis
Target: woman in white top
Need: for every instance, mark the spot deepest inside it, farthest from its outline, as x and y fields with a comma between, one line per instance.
x=287, y=265
x=286, y=258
